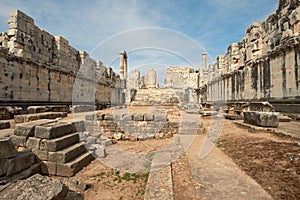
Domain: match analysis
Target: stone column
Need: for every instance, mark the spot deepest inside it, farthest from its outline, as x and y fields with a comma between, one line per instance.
x=204, y=60
x=125, y=64
x=121, y=65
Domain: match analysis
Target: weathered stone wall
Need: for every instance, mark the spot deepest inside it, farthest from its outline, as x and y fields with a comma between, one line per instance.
x=181, y=77
x=40, y=67
x=264, y=65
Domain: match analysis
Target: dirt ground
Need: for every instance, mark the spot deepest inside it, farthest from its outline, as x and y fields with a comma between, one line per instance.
x=272, y=161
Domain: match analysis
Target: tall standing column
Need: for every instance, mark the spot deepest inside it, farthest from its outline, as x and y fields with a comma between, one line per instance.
x=203, y=60
x=125, y=64
x=121, y=65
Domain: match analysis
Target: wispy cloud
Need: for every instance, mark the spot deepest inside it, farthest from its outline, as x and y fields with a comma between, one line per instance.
x=214, y=24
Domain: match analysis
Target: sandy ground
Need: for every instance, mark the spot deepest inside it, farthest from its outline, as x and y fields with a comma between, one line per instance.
x=272, y=161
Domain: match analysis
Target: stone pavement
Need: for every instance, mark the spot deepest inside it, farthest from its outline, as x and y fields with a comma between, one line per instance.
x=217, y=177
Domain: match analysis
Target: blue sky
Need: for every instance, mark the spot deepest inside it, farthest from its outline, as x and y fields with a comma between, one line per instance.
x=211, y=24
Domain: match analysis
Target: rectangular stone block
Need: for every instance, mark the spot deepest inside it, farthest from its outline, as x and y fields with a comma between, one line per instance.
x=54, y=130
x=100, y=116
x=41, y=155
x=160, y=117
x=59, y=143
x=21, y=162
x=4, y=125
x=71, y=168
x=68, y=154
x=27, y=129
x=7, y=149
x=18, y=140
x=3, y=166
x=90, y=117
x=48, y=167
x=33, y=143
x=138, y=117
x=78, y=126
x=108, y=117
x=148, y=117
x=264, y=119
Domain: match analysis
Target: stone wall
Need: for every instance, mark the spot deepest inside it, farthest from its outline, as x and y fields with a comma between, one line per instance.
x=264, y=65
x=40, y=67
x=181, y=77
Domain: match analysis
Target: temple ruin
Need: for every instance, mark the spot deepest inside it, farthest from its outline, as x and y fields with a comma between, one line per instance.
x=44, y=80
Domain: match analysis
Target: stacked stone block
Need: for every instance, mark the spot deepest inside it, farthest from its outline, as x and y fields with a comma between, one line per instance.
x=39, y=67
x=132, y=127
x=263, y=65
x=15, y=165
x=56, y=145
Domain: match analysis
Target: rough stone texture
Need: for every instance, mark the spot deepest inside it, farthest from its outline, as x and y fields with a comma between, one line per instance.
x=59, y=143
x=150, y=79
x=44, y=67
x=8, y=112
x=27, y=129
x=264, y=119
x=36, y=187
x=54, y=130
x=261, y=107
x=71, y=168
x=159, y=185
x=7, y=149
x=263, y=65
x=36, y=109
x=37, y=116
x=22, y=161
x=4, y=125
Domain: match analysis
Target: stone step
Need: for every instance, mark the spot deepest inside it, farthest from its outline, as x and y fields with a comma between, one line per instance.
x=37, y=116
x=67, y=154
x=72, y=167
x=50, y=131
x=27, y=129
x=59, y=143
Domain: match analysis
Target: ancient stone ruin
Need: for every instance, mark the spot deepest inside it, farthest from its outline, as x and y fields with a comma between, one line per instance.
x=44, y=81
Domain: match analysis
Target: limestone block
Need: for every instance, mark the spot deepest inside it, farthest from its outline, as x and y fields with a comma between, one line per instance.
x=261, y=106
x=71, y=168
x=22, y=161
x=36, y=109
x=160, y=117
x=78, y=126
x=48, y=167
x=54, y=130
x=295, y=16
x=264, y=119
x=59, y=143
x=40, y=187
x=108, y=117
x=148, y=117
x=41, y=155
x=33, y=143
x=7, y=149
x=3, y=166
x=27, y=129
x=138, y=117
x=18, y=140
x=4, y=125
x=68, y=154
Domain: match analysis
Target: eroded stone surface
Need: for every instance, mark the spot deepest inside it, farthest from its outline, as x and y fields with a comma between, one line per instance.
x=36, y=187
